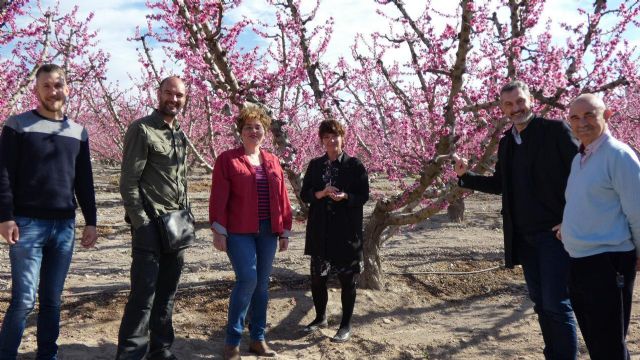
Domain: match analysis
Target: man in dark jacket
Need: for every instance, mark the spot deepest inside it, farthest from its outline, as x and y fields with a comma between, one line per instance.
x=534, y=160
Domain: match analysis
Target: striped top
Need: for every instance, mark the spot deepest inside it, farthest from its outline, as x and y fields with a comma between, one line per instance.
x=263, y=193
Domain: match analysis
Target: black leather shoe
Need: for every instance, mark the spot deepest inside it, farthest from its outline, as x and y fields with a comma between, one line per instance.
x=315, y=325
x=343, y=335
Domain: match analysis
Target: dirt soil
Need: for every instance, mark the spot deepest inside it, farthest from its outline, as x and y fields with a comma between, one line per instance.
x=485, y=315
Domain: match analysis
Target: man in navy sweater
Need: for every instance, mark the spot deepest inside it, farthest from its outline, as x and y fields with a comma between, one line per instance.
x=44, y=166
x=534, y=158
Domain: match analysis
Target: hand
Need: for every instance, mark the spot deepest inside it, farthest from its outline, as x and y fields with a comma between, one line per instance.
x=558, y=229
x=284, y=244
x=219, y=241
x=339, y=196
x=89, y=237
x=328, y=190
x=461, y=165
x=10, y=232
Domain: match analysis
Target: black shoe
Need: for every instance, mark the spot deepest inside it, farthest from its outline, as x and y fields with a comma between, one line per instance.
x=315, y=325
x=343, y=335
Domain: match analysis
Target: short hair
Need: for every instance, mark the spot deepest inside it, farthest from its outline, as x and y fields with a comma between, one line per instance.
x=51, y=68
x=513, y=85
x=596, y=101
x=165, y=80
x=252, y=112
x=330, y=127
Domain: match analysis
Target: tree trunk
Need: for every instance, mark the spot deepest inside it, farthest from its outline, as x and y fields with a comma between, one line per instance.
x=455, y=210
x=371, y=277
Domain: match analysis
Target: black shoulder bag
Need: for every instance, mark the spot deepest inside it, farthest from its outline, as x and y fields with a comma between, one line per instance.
x=176, y=228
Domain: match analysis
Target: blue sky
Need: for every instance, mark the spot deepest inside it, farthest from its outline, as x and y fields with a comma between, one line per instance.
x=117, y=19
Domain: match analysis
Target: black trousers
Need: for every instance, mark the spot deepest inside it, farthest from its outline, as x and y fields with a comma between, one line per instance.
x=600, y=289
x=146, y=325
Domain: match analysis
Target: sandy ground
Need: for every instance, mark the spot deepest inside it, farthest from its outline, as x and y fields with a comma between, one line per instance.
x=416, y=316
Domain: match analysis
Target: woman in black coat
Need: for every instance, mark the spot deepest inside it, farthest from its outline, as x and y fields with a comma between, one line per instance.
x=336, y=186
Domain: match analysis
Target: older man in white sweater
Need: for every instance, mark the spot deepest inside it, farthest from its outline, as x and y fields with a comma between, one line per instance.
x=601, y=230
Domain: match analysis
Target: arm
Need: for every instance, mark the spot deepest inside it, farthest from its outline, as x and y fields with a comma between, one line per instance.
x=489, y=184
x=307, y=194
x=8, y=164
x=8, y=167
x=285, y=208
x=134, y=159
x=359, y=193
x=220, y=188
x=626, y=183
x=285, y=205
x=85, y=193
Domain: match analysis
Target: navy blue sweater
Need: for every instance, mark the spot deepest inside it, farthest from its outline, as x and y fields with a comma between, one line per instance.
x=43, y=163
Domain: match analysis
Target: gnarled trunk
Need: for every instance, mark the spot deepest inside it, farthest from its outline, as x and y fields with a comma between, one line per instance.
x=455, y=210
x=372, y=275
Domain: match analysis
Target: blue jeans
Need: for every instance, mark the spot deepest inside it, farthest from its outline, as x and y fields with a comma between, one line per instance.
x=251, y=256
x=545, y=264
x=39, y=261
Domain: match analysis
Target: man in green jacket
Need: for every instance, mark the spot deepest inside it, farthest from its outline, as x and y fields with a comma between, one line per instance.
x=153, y=182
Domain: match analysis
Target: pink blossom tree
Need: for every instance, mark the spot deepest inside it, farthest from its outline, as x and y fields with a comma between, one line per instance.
x=405, y=117
x=411, y=96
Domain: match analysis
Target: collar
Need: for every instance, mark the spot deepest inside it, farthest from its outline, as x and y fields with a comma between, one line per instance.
x=35, y=112
x=587, y=151
x=516, y=135
x=591, y=148
x=159, y=121
x=340, y=158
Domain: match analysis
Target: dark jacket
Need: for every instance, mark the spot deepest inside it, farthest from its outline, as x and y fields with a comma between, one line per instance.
x=334, y=229
x=550, y=152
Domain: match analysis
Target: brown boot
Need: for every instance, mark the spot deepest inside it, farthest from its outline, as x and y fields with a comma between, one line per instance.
x=231, y=352
x=261, y=348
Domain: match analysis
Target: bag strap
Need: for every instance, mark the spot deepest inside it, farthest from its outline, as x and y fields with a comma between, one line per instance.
x=186, y=193
x=146, y=203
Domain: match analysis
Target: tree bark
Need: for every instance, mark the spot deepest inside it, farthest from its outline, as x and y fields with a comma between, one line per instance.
x=372, y=275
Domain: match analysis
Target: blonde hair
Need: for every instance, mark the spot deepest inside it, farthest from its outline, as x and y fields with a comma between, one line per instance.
x=252, y=112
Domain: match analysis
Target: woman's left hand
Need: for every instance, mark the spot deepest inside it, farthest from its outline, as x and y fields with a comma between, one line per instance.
x=339, y=196
x=284, y=244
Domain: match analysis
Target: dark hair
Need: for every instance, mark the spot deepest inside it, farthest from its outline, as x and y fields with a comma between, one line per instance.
x=330, y=127
x=50, y=68
x=513, y=85
x=164, y=81
x=252, y=112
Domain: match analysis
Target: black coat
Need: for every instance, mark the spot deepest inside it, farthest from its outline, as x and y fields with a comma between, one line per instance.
x=550, y=153
x=334, y=229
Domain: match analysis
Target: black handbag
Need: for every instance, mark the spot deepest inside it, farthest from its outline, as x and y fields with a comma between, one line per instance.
x=177, y=230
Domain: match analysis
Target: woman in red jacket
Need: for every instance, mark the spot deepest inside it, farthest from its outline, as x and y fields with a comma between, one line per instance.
x=249, y=213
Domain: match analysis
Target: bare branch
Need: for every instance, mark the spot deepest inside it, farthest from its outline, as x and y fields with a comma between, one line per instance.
x=399, y=4
x=22, y=89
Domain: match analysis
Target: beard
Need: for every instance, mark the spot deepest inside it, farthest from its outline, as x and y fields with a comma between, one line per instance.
x=168, y=110
x=53, y=106
x=521, y=119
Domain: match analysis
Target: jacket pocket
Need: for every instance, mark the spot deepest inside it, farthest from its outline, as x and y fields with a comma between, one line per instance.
x=160, y=152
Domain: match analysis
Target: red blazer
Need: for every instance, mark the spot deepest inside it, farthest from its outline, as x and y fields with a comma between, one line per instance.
x=233, y=204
